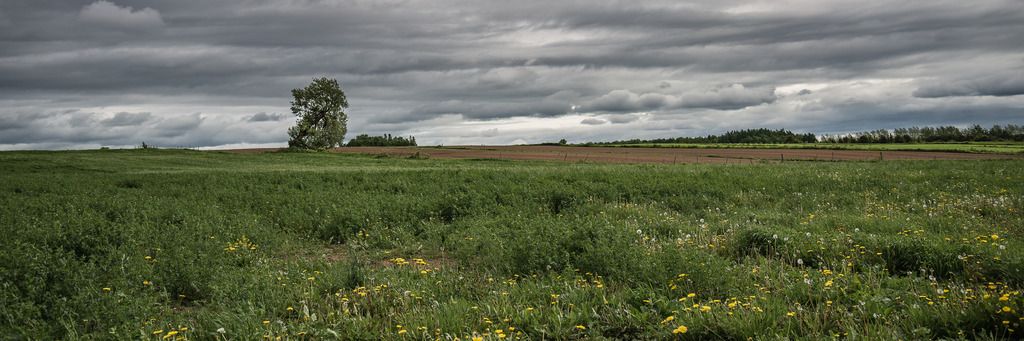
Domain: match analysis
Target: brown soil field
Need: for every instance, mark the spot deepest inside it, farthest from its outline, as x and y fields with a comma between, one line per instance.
x=655, y=155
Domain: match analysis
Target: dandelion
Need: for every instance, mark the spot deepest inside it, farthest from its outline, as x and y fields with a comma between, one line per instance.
x=171, y=334
x=680, y=330
x=1007, y=309
x=790, y=314
x=478, y=338
x=580, y=327
x=828, y=283
x=668, y=319
x=705, y=308
x=107, y=289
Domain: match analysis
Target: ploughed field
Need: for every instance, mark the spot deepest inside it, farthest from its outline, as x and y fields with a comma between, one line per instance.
x=166, y=244
x=663, y=155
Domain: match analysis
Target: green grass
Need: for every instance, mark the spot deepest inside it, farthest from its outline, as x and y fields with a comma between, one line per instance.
x=965, y=147
x=137, y=244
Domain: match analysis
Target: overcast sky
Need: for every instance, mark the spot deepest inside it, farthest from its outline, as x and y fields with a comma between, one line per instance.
x=201, y=73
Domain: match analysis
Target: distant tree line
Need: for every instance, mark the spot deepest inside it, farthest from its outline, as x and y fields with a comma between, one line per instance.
x=760, y=135
x=1009, y=132
x=385, y=140
x=976, y=132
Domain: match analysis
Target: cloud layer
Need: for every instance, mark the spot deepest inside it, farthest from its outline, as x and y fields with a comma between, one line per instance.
x=194, y=73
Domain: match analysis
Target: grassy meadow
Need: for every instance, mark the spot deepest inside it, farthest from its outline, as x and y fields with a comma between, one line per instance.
x=961, y=147
x=174, y=244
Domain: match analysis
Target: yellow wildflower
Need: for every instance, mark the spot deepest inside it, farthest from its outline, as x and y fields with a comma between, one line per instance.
x=680, y=330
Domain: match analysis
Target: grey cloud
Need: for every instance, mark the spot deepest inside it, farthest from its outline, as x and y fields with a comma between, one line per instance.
x=730, y=97
x=178, y=126
x=593, y=121
x=107, y=14
x=620, y=119
x=127, y=119
x=265, y=117
x=1010, y=84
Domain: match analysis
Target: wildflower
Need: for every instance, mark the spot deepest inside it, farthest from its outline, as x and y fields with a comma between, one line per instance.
x=266, y=321
x=680, y=330
x=668, y=319
x=580, y=327
x=147, y=283
x=828, y=283
x=478, y=338
x=1007, y=309
x=790, y=314
x=107, y=289
x=705, y=308
x=171, y=334
x=158, y=332
x=221, y=330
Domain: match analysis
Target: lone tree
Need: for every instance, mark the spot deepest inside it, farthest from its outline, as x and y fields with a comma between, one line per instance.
x=321, y=122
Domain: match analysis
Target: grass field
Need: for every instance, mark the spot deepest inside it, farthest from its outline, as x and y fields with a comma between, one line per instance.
x=966, y=147
x=162, y=244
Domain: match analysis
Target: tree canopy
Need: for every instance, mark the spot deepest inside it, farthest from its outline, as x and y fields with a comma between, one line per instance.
x=321, y=123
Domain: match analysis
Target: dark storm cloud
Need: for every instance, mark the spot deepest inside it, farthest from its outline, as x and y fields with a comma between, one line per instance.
x=192, y=72
x=1011, y=84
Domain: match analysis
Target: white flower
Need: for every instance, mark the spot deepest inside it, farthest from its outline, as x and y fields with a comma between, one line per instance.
x=221, y=330
x=799, y=261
